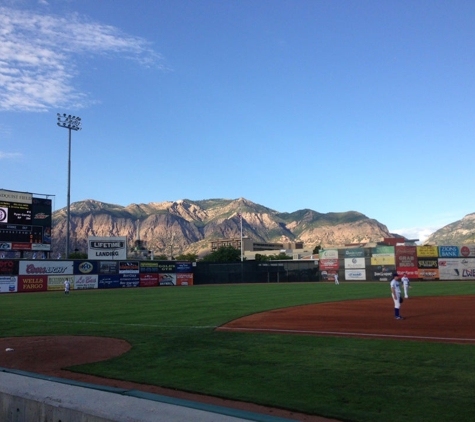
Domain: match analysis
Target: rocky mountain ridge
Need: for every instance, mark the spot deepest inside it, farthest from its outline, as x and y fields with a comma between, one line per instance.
x=186, y=226
x=459, y=232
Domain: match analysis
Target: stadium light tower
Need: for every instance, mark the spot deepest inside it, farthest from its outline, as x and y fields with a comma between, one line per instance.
x=71, y=123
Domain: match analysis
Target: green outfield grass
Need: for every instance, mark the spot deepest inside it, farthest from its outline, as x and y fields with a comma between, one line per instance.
x=174, y=345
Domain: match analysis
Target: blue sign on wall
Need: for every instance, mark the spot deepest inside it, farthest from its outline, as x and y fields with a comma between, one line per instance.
x=85, y=267
x=184, y=267
x=129, y=280
x=448, y=251
x=109, y=281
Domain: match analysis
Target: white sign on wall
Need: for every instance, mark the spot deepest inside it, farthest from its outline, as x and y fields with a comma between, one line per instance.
x=46, y=267
x=8, y=284
x=449, y=269
x=356, y=274
x=107, y=247
x=354, y=263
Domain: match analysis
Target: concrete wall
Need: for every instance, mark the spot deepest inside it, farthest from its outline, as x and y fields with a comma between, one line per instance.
x=26, y=397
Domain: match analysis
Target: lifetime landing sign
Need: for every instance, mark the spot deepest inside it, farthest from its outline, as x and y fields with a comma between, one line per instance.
x=107, y=247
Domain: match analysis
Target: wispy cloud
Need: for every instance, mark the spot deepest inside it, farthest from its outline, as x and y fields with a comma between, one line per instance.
x=37, y=57
x=421, y=233
x=9, y=155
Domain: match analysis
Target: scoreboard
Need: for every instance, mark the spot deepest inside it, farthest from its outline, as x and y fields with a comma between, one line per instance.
x=25, y=221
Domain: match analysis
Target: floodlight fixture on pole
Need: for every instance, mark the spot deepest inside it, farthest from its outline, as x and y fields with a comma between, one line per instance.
x=71, y=123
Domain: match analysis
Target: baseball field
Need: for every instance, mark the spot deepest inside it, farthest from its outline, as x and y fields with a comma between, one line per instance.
x=207, y=340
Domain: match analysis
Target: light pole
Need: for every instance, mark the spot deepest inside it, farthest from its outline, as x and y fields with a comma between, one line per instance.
x=71, y=123
x=242, y=246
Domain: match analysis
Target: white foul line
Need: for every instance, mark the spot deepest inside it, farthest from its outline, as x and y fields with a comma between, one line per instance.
x=345, y=334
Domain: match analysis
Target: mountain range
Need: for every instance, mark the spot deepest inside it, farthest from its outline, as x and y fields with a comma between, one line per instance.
x=460, y=232
x=184, y=226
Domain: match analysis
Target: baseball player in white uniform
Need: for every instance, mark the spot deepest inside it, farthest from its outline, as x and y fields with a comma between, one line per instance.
x=396, y=295
x=67, y=286
x=336, y=278
x=406, y=283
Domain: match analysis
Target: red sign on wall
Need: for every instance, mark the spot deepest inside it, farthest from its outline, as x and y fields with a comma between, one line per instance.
x=34, y=283
x=329, y=264
x=148, y=280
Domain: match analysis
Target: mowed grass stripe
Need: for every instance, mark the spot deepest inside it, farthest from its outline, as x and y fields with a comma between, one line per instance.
x=344, y=378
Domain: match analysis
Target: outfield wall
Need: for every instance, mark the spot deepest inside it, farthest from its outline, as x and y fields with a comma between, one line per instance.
x=352, y=264
x=418, y=262
x=49, y=275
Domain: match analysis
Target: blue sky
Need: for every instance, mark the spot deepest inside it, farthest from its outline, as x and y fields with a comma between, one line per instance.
x=329, y=105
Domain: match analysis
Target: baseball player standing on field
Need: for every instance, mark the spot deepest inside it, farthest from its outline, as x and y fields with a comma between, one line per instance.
x=396, y=295
x=406, y=283
x=67, y=286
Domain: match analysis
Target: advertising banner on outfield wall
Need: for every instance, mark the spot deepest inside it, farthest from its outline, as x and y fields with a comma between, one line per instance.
x=46, y=268
x=357, y=275
x=86, y=281
x=382, y=273
x=149, y=267
x=8, y=266
x=428, y=274
x=183, y=267
x=149, y=279
x=129, y=275
x=328, y=275
x=329, y=264
x=410, y=272
x=354, y=262
x=328, y=254
x=467, y=251
x=449, y=252
x=383, y=251
x=166, y=267
x=86, y=267
x=355, y=253
x=27, y=283
x=108, y=267
x=467, y=268
x=129, y=280
x=457, y=268
x=427, y=263
x=110, y=281
x=406, y=257
x=167, y=279
x=427, y=251
x=128, y=267
x=8, y=284
x=449, y=268
x=383, y=260
x=184, y=279
x=56, y=282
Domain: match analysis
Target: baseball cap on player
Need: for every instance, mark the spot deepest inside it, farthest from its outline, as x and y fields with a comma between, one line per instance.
x=395, y=275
